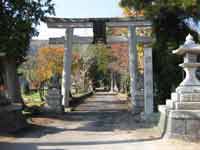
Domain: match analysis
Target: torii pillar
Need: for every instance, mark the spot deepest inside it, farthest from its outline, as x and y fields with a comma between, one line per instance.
x=137, y=105
x=67, y=62
x=132, y=40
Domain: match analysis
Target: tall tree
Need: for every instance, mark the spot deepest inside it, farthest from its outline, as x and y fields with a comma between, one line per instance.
x=18, y=21
x=98, y=62
x=170, y=28
x=49, y=62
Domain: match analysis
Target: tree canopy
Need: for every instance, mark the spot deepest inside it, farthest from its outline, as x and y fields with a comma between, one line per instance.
x=18, y=21
x=170, y=27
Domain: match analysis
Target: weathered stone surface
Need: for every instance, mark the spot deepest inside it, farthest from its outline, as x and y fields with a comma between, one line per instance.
x=187, y=105
x=148, y=80
x=133, y=65
x=175, y=96
x=193, y=128
x=190, y=97
x=184, y=124
x=162, y=119
x=54, y=101
x=170, y=103
x=177, y=126
x=66, y=75
x=187, y=89
x=185, y=114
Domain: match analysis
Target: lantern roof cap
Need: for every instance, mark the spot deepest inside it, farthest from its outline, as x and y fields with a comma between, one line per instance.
x=188, y=47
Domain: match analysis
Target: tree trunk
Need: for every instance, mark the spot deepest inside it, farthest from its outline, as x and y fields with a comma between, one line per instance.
x=12, y=81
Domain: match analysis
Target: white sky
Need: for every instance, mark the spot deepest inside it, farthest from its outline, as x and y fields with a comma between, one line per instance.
x=80, y=9
x=46, y=33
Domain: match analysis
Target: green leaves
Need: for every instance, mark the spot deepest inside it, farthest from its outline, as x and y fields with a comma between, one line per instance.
x=135, y=4
x=101, y=55
x=18, y=19
x=169, y=30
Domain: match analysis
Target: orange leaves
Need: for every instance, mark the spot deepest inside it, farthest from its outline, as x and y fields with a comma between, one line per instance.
x=120, y=54
x=76, y=62
x=120, y=51
x=132, y=13
x=49, y=61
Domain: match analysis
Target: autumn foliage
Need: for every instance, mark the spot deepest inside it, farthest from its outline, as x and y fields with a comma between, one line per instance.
x=49, y=61
x=120, y=54
x=130, y=12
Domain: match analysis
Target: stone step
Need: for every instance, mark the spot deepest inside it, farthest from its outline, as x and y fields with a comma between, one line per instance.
x=162, y=109
x=185, y=114
x=174, y=96
x=190, y=97
x=187, y=105
x=170, y=103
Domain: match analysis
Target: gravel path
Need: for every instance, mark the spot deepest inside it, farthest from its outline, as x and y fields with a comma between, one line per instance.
x=102, y=122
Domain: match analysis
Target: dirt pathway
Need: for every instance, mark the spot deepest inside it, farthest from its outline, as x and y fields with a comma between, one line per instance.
x=102, y=122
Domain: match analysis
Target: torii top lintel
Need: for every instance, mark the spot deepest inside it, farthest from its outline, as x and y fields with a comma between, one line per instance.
x=53, y=22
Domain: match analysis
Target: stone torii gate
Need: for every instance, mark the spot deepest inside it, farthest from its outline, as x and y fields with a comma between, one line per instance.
x=99, y=28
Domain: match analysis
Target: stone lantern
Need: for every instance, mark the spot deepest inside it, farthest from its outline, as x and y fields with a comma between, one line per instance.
x=190, y=51
x=183, y=109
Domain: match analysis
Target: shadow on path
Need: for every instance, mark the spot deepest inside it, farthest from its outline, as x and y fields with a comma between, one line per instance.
x=101, y=113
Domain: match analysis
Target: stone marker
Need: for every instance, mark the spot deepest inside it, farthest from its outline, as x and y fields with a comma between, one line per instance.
x=54, y=101
x=148, y=81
